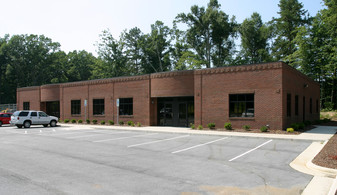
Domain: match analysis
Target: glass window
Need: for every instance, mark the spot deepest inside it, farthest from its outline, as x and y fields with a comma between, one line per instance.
x=33, y=114
x=42, y=114
x=75, y=107
x=316, y=106
x=289, y=104
x=23, y=113
x=26, y=106
x=296, y=105
x=310, y=105
x=98, y=106
x=241, y=105
x=126, y=106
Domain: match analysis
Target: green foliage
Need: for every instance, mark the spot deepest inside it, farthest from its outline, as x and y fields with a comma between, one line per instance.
x=130, y=123
x=121, y=122
x=73, y=121
x=192, y=126
x=102, y=122
x=254, y=36
x=111, y=122
x=200, y=127
x=246, y=127
x=211, y=125
x=228, y=126
x=264, y=129
x=80, y=121
x=94, y=121
x=326, y=120
x=290, y=130
x=66, y=120
x=139, y=124
x=301, y=126
x=307, y=123
x=88, y=121
x=295, y=126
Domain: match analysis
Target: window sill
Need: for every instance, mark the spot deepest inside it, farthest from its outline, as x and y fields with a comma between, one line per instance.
x=76, y=115
x=99, y=115
x=125, y=116
x=242, y=118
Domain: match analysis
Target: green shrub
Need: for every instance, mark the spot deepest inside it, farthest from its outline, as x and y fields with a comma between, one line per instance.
x=326, y=120
x=102, y=122
x=111, y=122
x=73, y=120
x=138, y=124
x=121, y=123
x=200, y=127
x=295, y=126
x=66, y=120
x=290, y=130
x=80, y=121
x=131, y=123
x=211, y=125
x=264, y=129
x=307, y=123
x=246, y=127
x=228, y=126
x=94, y=121
x=301, y=126
x=88, y=121
x=192, y=126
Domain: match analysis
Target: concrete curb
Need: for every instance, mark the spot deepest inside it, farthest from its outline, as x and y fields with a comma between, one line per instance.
x=333, y=189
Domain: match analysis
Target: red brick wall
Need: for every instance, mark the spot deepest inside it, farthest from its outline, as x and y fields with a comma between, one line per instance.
x=172, y=84
x=73, y=93
x=50, y=93
x=31, y=95
x=212, y=89
x=293, y=83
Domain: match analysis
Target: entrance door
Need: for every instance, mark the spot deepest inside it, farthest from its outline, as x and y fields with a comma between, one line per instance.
x=178, y=111
x=53, y=108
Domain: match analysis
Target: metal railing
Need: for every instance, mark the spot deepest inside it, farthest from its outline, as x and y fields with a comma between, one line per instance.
x=8, y=108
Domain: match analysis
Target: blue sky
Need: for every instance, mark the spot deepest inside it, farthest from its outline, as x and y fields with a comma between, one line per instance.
x=76, y=24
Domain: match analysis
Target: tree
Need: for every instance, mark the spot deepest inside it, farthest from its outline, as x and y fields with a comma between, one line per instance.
x=292, y=16
x=254, y=37
x=209, y=32
x=112, y=62
x=131, y=41
x=156, y=49
x=79, y=65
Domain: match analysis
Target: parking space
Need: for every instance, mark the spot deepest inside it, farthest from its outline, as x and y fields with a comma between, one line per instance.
x=84, y=160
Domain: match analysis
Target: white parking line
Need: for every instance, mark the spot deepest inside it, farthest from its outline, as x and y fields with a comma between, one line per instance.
x=78, y=131
x=157, y=141
x=250, y=150
x=106, y=140
x=198, y=145
x=96, y=135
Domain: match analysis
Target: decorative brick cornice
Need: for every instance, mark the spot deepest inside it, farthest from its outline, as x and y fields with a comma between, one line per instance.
x=241, y=68
x=50, y=86
x=106, y=81
x=28, y=88
x=171, y=74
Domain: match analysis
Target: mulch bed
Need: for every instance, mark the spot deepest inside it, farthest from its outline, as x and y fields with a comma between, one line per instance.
x=328, y=155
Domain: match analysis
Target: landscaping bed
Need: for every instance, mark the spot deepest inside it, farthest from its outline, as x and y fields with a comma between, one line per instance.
x=328, y=155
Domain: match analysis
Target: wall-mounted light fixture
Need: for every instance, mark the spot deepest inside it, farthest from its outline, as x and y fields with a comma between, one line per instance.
x=305, y=85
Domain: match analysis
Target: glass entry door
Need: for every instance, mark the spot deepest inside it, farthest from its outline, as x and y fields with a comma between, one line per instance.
x=177, y=112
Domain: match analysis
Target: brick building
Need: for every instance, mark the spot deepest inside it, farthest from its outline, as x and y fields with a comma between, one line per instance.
x=273, y=94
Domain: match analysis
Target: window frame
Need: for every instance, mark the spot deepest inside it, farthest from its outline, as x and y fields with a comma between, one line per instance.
x=288, y=105
x=75, y=105
x=98, y=108
x=127, y=106
x=241, y=103
x=24, y=106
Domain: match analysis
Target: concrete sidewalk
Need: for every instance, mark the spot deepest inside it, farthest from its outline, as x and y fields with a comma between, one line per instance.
x=320, y=133
x=324, y=181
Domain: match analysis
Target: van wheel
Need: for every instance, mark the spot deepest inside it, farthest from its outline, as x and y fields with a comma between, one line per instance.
x=26, y=124
x=53, y=123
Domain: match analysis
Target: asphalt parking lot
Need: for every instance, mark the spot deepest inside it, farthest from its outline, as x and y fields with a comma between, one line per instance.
x=80, y=160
